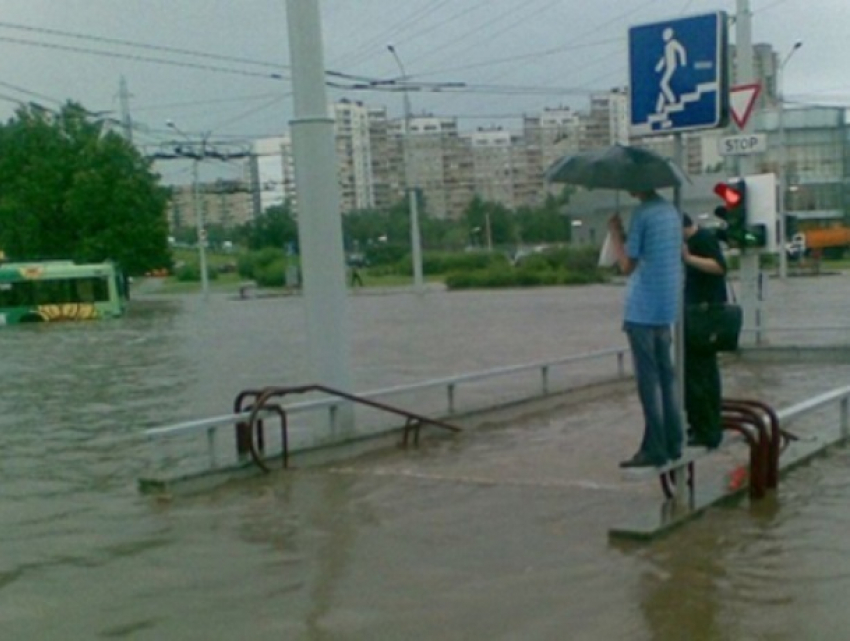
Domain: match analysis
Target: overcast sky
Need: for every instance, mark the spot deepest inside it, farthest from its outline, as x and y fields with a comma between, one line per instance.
x=208, y=65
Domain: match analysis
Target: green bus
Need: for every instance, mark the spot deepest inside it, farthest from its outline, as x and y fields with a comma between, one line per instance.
x=60, y=290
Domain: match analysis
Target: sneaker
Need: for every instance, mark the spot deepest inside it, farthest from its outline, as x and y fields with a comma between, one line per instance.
x=641, y=460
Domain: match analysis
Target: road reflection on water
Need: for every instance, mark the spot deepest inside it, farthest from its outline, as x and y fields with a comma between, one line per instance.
x=500, y=534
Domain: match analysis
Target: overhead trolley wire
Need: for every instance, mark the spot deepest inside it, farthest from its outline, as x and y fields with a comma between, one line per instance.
x=140, y=45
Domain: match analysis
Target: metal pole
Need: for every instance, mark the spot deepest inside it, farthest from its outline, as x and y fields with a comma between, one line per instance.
x=783, y=161
x=750, y=273
x=199, y=228
x=415, y=239
x=200, y=232
x=679, y=332
x=319, y=221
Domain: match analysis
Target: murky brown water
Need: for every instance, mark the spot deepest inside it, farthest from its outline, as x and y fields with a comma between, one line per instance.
x=499, y=534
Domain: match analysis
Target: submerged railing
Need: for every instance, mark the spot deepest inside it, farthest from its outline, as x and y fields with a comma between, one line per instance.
x=449, y=387
x=320, y=421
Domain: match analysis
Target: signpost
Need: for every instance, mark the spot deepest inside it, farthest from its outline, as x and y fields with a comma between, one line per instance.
x=742, y=99
x=742, y=145
x=678, y=75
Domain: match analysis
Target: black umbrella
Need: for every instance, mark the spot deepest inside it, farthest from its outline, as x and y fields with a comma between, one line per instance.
x=617, y=167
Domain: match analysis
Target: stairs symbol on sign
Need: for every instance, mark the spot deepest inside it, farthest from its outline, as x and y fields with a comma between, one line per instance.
x=663, y=117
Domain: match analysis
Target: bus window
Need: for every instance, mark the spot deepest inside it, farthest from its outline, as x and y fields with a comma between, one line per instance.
x=100, y=287
x=84, y=290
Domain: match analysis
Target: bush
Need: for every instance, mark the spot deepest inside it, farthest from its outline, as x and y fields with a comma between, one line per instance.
x=191, y=272
x=434, y=263
x=554, y=267
x=482, y=278
x=271, y=274
x=256, y=264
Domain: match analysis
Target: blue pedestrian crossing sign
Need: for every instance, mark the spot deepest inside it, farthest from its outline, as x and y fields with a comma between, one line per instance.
x=678, y=75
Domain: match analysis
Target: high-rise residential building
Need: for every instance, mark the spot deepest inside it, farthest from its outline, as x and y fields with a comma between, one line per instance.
x=354, y=155
x=552, y=134
x=608, y=120
x=505, y=169
x=387, y=160
x=438, y=163
x=271, y=172
x=223, y=202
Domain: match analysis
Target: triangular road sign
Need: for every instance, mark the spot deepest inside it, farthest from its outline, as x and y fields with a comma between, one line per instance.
x=742, y=99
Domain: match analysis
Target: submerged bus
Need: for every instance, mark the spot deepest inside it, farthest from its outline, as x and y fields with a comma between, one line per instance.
x=60, y=290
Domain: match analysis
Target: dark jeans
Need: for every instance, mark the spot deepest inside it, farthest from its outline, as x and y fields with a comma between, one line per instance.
x=656, y=385
x=703, y=393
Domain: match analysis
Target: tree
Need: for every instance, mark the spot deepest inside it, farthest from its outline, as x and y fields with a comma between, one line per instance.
x=481, y=214
x=73, y=190
x=275, y=227
x=545, y=223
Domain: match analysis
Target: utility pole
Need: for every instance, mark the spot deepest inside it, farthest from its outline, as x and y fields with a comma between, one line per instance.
x=200, y=229
x=126, y=121
x=197, y=150
x=783, y=162
x=752, y=285
x=415, y=239
x=319, y=222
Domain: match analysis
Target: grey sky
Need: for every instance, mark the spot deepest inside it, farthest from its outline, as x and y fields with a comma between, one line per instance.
x=515, y=57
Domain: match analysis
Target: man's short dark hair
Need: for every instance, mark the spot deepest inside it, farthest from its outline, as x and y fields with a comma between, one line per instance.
x=687, y=221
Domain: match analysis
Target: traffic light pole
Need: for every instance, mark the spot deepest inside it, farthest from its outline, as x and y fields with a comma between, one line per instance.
x=751, y=283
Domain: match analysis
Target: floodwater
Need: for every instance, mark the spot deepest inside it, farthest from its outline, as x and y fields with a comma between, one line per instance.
x=500, y=533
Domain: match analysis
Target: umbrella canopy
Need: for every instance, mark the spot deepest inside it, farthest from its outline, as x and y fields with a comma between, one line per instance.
x=617, y=167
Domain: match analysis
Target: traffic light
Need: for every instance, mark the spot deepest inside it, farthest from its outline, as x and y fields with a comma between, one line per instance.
x=741, y=232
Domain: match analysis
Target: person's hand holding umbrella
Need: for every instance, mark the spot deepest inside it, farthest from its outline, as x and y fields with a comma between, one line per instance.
x=617, y=233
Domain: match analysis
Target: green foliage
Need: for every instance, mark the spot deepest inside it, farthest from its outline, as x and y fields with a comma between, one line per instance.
x=482, y=278
x=191, y=272
x=384, y=255
x=271, y=274
x=555, y=267
x=256, y=264
x=444, y=262
x=73, y=190
x=275, y=227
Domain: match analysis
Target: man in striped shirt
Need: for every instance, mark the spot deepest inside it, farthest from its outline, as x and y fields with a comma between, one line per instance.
x=651, y=256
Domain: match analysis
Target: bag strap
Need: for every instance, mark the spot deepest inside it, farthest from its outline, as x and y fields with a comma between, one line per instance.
x=731, y=291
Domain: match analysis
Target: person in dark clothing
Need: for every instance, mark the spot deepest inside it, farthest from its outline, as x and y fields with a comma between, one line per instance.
x=705, y=282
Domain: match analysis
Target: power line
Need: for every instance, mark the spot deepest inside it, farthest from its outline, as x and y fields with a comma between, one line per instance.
x=140, y=45
x=140, y=58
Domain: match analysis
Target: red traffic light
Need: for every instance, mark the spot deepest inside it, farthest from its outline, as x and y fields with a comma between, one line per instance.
x=731, y=197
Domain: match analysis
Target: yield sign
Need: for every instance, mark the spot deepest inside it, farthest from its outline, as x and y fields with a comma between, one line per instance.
x=742, y=99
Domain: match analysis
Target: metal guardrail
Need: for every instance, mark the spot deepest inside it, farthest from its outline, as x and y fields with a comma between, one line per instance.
x=212, y=426
x=840, y=395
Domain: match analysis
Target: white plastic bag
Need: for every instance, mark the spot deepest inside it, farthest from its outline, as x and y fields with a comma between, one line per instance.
x=607, y=257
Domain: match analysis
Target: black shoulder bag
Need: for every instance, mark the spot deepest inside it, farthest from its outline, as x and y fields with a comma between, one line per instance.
x=713, y=327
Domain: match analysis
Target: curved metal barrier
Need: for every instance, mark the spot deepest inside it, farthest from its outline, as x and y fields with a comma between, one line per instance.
x=257, y=401
x=758, y=426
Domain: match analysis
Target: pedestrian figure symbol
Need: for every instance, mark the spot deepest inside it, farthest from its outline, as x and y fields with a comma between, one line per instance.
x=674, y=56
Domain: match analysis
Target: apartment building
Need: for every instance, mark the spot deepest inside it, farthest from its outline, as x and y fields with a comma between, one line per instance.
x=354, y=155
x=228, y=203
x=552, y=134
x=505, y=169
x=271, y=172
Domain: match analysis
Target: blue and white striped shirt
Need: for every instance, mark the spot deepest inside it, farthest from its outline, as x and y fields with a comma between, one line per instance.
x=655, y=241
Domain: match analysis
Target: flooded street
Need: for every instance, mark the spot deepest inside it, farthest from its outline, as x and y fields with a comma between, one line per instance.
x=499, y=534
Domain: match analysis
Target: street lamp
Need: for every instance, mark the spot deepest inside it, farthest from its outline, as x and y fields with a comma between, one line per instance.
x=200, y=230
x=783, y=160
x=415, y=240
